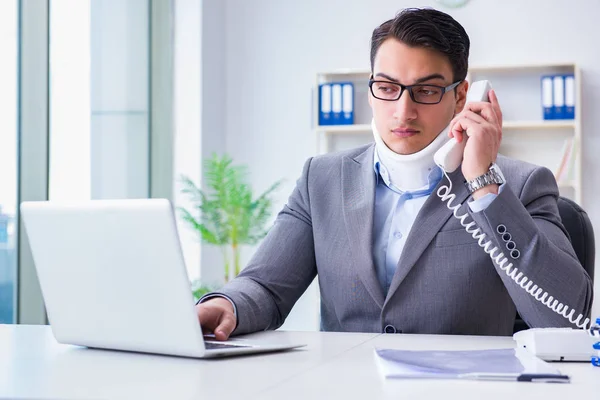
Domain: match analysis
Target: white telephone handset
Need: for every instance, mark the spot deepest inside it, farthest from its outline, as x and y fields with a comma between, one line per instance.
x=449, y=158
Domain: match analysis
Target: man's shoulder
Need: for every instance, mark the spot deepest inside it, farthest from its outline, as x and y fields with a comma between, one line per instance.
x=517, y=171
x=337, y=157
x=512, y=164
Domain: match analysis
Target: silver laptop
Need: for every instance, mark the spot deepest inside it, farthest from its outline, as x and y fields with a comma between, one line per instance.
x=112, y=276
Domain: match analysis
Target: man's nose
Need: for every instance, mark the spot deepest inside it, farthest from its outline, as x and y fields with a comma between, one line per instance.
x=405, y=108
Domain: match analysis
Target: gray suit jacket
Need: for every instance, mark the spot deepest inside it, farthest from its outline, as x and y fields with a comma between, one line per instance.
x=444, y=282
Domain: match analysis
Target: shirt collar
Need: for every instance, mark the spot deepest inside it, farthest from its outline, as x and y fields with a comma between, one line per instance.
x=382, y=176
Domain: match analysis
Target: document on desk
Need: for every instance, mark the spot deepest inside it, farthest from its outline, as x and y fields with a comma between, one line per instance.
x=502, y=364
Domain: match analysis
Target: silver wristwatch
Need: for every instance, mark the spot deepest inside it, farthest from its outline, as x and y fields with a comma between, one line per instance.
x=493, y=176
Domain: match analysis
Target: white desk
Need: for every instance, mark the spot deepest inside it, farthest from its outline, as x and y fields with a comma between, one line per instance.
x=353, y=375
x=333, y=365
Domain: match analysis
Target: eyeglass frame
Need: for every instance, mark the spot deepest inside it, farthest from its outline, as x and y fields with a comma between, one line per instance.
x=403, y=88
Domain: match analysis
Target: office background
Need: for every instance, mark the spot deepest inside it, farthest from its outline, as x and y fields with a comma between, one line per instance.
x=169, y=82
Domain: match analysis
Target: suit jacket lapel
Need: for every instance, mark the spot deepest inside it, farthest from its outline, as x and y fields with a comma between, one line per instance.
x=358, y=191
x=430, y=219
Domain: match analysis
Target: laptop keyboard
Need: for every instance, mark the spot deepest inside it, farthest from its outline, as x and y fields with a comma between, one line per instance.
x=219, y=346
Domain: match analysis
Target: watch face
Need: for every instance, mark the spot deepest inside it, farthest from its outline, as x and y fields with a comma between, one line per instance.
x=453, y=3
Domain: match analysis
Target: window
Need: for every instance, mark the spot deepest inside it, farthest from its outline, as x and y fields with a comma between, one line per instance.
x=8, y=157
x=99, y=114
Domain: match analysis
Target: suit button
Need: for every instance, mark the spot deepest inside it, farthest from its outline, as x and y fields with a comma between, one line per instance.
x=501, y=229
x=389, y=329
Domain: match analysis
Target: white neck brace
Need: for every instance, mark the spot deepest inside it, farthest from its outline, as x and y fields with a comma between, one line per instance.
x=408, y=172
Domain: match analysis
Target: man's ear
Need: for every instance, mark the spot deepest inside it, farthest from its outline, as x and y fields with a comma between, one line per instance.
x=461, y=96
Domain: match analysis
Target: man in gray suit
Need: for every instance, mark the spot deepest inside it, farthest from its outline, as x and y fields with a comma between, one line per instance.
x=370, y=223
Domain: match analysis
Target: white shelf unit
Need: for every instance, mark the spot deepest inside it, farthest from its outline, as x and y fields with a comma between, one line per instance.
x=526, y=135
x=362, y=128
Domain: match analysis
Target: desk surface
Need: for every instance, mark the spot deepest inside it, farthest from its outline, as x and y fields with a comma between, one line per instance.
x=333, y=365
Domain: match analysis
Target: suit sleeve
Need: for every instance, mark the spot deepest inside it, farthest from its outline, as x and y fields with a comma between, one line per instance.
x=544, y=253
x=281, y=269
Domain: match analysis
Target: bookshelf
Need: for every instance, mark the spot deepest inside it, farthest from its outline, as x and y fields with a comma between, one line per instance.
x=366, y=128
x=526, y=135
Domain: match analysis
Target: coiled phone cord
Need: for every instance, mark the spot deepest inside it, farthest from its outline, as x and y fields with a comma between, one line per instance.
x=444, y=193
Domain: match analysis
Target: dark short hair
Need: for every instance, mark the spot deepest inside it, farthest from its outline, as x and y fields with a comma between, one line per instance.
x=426, y=27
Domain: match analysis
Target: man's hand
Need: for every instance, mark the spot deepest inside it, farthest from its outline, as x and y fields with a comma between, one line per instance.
x=216, y=316
x=482, y=122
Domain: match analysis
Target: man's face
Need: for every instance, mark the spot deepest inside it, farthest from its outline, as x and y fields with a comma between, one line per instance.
x=407, y=127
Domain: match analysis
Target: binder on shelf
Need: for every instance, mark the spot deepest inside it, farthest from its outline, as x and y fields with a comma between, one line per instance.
x=347, y=104
x=558, y=88
x=325, y=117
x=547, y=97
x=336, y=103
x=569, y=96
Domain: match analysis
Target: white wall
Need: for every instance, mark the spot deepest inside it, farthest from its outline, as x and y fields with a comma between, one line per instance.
x=275, y=48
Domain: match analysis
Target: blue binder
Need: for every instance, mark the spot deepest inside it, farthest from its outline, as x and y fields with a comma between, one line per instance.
x=569, y=96
x=336, y=103
x=547, y=97
x=325, y=116
x=558, y=89
x=347, y=103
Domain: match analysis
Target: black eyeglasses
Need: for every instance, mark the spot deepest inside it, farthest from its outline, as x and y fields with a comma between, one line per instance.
x=420, y=93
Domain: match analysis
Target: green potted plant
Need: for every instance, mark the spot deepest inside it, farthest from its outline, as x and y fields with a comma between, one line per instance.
x=228, y=214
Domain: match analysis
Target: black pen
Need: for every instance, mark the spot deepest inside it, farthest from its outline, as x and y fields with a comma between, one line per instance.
x=543, y=378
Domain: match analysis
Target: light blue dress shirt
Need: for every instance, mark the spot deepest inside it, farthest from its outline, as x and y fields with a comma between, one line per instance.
x=394, y=214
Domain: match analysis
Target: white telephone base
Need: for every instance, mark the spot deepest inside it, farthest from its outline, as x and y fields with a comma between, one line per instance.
x=557, y=344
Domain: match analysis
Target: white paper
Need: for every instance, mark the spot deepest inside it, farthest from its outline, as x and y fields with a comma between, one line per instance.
x=502, y=364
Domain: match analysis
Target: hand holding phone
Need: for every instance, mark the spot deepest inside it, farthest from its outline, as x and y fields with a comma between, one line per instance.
x=450, y=156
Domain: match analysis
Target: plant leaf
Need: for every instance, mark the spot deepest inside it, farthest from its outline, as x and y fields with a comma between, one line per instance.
x=228, y=213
